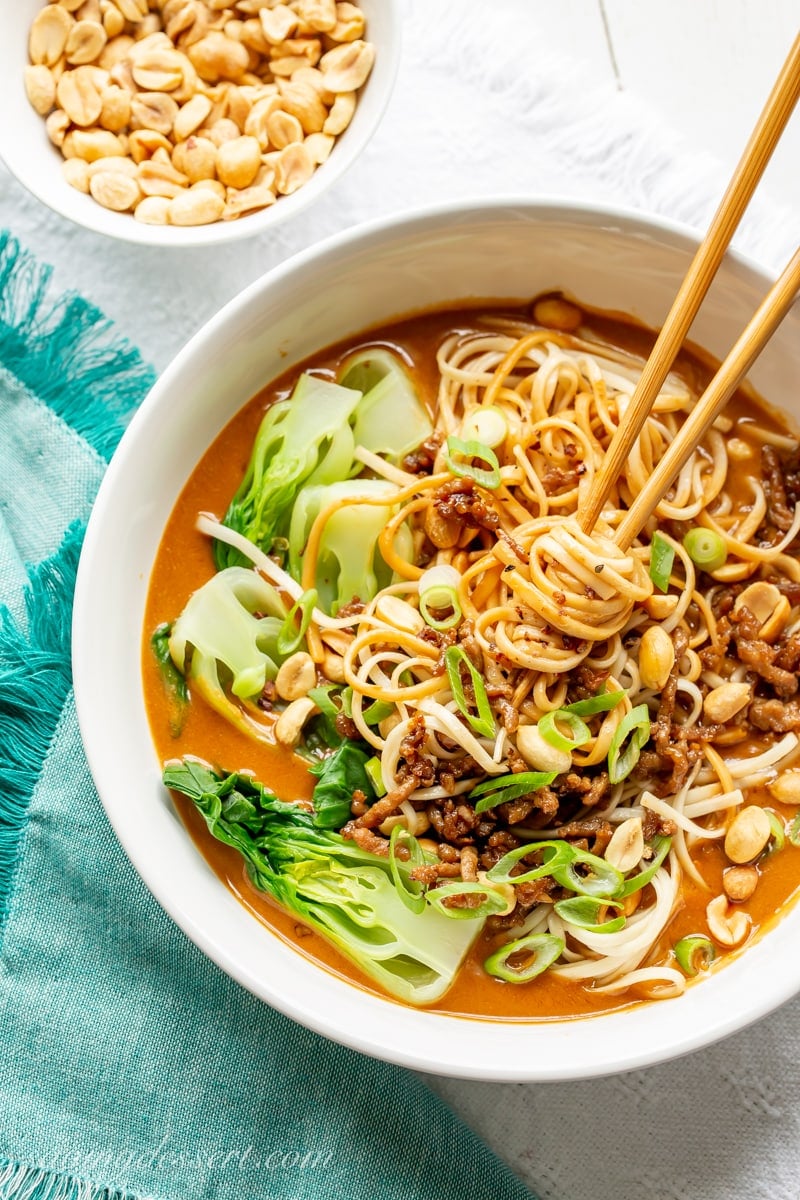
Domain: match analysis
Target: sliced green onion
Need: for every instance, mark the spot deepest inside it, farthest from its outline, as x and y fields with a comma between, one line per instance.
x=660, y=847
x=465, y=470
x=777, y=837
x=540, y=950
x=558, y=854
x=484, y=723
x=290, y=637
x=602, y=702
x=636, y=725
x=492, y=792
x=583, y=911
x=377, y=712
x=373, y=769
x=485, y=425
x=581, y=732
x=410, y=891
x=604, y=881
x=561, y=860
x=705, y=548
x=662, y=556
x=493, y=902
x=695, y=953
x=794, y=831
x=440, y=600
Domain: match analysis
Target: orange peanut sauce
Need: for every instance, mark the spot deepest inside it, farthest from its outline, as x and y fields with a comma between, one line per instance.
x=184, y=562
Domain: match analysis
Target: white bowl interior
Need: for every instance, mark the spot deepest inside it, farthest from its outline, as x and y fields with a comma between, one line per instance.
x=28, y=153
x=506, y=250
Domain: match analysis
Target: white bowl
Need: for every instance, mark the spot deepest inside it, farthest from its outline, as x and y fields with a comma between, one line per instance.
x=507, y=249
x=29, y=154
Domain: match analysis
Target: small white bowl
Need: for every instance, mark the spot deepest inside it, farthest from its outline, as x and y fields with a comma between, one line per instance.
x=508, y=249
x=29, y=154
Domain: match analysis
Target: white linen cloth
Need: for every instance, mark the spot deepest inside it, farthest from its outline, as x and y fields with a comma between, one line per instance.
x=483, y=106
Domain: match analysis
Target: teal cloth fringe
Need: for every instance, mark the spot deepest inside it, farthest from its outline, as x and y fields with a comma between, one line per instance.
x=18, y=1182
x=63, y=352
x=35, y=679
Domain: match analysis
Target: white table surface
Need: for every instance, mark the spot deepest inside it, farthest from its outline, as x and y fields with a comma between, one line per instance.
x=638, y=102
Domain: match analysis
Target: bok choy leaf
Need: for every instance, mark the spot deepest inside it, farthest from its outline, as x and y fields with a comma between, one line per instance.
x=344, y=893
x=305, y=440
x=390, y=418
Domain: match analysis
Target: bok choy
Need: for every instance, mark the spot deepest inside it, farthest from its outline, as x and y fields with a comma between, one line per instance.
x=305, y=440
x=231, y=624
x=390, y=418
x=344, y=893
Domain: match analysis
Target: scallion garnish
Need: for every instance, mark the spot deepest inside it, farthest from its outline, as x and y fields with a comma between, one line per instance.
x=290, y=636
x=584, y=911
x=483, y=723
x=660, y=847
x=705, y=548
x=373, y=769
x=777, y=837
x=410, y=891
x=485, y=425
x=596, y=877
x=496, y=791
x=377, y=712
x=465, y=470
x=622, y=758
x=602, y=702
x=694, y=953
x=662, y=556
x=438, y=596
x=537, y=952
x=547, y=726
x=492, y=903
x=794, y=831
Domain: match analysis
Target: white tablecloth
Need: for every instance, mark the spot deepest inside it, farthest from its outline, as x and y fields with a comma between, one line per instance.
x=483, y=105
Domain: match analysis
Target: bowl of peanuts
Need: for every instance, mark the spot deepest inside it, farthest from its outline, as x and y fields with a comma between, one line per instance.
x=190, y=122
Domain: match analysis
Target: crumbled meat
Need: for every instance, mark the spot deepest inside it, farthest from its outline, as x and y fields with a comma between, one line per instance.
x=774, y=484
x=775, y=716
x=346, y=727
x=421, y=460
x=754, y=652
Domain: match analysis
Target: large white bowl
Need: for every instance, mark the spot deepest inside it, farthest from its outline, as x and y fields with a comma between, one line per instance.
x=508, y=249
x=29, y=154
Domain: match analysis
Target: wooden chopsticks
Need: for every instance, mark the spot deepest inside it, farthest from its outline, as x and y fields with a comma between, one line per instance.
x=769, y=127
x=759, y=330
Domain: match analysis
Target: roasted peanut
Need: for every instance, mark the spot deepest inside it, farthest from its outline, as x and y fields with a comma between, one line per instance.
x=76, y=173
x=399, y=613
x=278, y=23
x=747, y=834
x=296, y=676
x=786, y=788
x=656, y=657
x=289, y=724
x=91, y=144
x=283, y=129
x=238, y=162
x=727, y=926
x=626, y=847
x=153, y=210
x=726, y=701
x=319, y=146
x=158, y=178
x=115, y=190
x=198, y=206
x=293, y=167
x=341, y=114
x=196, y=158
x=349, y=24
x=153, y=110
x=768, y=605
x=739, y=883
x=40, y=88
x=346, y=67
x=556, y=313
x=85, y=42
x=48, y=35
x=191, y=116
x=79, y=97
x=538, y=753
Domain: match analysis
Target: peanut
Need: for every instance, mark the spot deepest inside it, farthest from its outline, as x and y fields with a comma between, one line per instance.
x=726, y=701
x=245, y=99
x=296, y=677
x=656, y=658
x=747, y=835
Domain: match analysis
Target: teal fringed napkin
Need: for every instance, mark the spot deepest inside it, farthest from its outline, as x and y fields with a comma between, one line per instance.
x=131, y=1066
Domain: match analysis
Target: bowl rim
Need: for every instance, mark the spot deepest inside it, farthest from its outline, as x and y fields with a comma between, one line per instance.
x=359, y=1035
x=21, y=165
